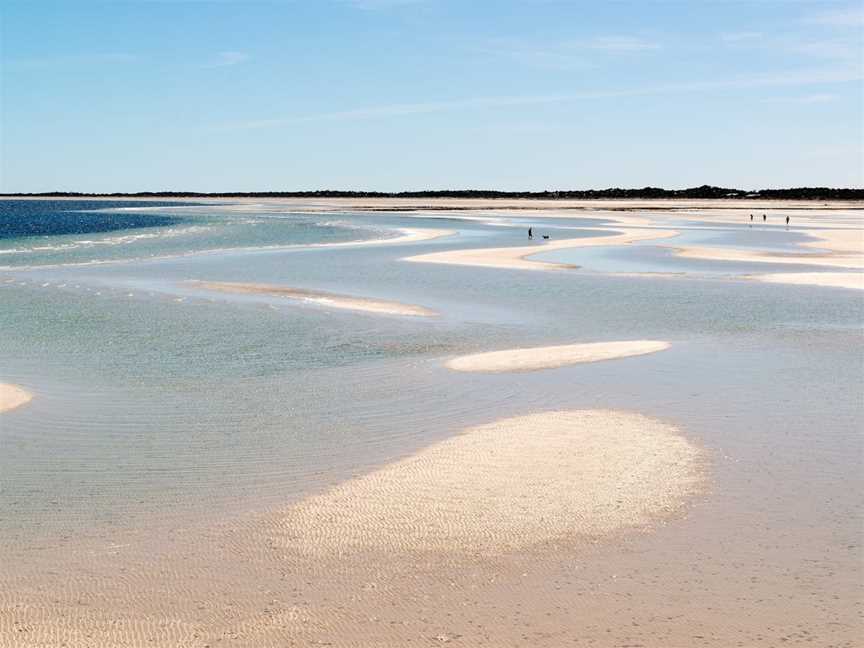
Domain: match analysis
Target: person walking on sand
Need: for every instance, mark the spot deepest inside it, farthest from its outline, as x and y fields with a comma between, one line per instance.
x=751, y=218
x=787, y=221
x=764, y=218
x=530, y=233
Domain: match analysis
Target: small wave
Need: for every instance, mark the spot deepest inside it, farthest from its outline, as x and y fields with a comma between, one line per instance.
x=110, y=240
x=387, y=236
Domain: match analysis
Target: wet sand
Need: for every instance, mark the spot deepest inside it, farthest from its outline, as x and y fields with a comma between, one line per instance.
x=12, y=397
x=550, y=357
x=319, y=298
x=424, y=550
x=518, y=257
x=829, y=259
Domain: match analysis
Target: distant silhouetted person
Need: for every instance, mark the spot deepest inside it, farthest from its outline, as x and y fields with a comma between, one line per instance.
x=530, y=233
x=764, y=218
x=751, y=218
x=787, y=221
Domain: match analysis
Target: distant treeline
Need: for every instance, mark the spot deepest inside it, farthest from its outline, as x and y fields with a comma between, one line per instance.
x=705, y=191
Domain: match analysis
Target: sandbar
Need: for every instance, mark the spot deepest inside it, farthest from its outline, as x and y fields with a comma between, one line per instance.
x=508, y=485
x=406, y=235
x=847, y=240
x=321, y=298
x=517, y=257
x=830, y=259
x=12, y=397
x=853, y=280
x=549, y=357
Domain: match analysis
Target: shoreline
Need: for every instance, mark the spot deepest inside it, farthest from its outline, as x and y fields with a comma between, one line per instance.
x=551, y=357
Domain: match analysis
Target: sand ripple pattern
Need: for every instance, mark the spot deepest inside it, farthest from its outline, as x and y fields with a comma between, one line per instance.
x=508, y=485
x=550, y=357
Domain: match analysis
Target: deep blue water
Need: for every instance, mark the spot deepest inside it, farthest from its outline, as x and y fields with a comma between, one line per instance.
x=26, y=218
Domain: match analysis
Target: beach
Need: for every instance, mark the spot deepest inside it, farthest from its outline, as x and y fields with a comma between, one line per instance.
x=374, y=422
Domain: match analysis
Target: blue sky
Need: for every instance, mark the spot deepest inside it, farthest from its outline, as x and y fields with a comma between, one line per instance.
x=227, y=95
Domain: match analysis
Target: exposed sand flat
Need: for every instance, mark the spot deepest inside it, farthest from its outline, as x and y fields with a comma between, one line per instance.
x=507, y=485
x=517, y=257
x=849, y=241
x=406, y=235
x=332, y=300
x=549, y=357
x=12, y=396
x=853, y=280
x=829, y=259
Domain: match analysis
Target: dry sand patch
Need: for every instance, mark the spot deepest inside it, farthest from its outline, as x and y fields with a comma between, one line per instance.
x=12, y=397
x=550, y=357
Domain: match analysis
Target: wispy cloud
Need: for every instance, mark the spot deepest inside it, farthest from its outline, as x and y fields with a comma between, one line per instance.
x=849, y=17
x=572, y=54
x=803, y=99
x=791, y=79
x=225, y=59
x=811, y=44
x=401, y=109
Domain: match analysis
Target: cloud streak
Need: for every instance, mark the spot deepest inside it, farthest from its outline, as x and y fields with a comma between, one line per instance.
x=851, y=17
x=791, y=79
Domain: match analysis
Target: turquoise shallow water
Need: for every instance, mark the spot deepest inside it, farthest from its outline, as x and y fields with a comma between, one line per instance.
x=155, y=400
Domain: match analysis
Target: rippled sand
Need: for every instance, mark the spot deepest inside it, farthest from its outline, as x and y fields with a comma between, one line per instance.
x=549, y=357
x=853, y=280
x=320, y=298
x=517, y=257
x=508, y=485
x=349, y=567
x=12, y=396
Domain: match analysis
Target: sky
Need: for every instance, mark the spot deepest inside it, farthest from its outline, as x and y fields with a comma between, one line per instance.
x=390, y=95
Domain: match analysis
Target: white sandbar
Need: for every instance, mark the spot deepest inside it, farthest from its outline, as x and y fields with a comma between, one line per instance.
x=406, y=235
x=332, y=300
x=507, y=485
x=517, y=257
x=549, y=357
x=12, y=396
